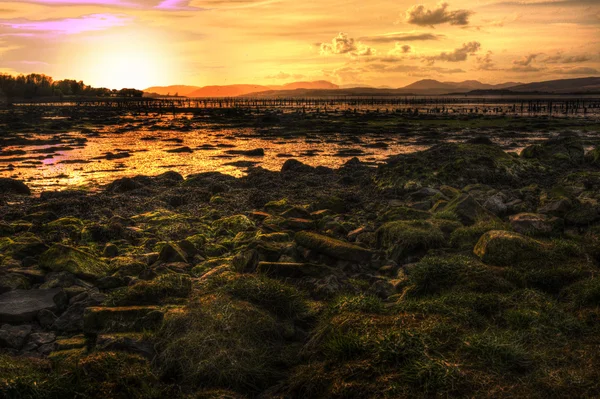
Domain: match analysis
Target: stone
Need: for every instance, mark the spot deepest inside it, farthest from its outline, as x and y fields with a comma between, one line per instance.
x=582, y=215
x=42, y=338
x=170, y=252
x=382, y=289
x=245, y=261
x=131, y=343
x=13, y=281
x=557, y=207
x=71, y=320
x=506, y=248
x=233, y=224
x=65, y=258
x=468, y=210
x=12, y=186
x=20, y=306
x=495, y=204
x=110, y=251
x=14, y=336
x=296, y=212
x=121, y=319
x=293, y=270
x=332, y=247
x=46, y=318
x=534, y=224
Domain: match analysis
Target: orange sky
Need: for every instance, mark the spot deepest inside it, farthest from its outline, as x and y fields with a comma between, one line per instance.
x=141, y=43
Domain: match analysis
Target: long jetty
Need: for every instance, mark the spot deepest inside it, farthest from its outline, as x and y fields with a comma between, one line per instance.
x=558, y=105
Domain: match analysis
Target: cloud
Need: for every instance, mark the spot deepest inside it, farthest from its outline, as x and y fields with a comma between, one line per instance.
x=526, y=60
x=400, y=49
x=485, y=62
x=283, y=75
x=551, y=3
x=401, y=37
x=459, y=54
x=576, y=71
x=527, y=68
x=419, y=15
x=68, y=26
x=566, y=59
x=342, y=44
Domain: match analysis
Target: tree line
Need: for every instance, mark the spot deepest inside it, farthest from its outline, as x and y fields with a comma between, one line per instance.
x=37, y=85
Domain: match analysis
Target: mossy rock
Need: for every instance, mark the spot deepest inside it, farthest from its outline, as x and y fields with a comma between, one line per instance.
x=454, y=164
x=332, y=247
x=402, y=239
x=465, y=237
x=592, y=157
x=435, y=274
x=560, y=150
x=233, y=224
x=468, y=210
x=65, y=258
x=121, y=319
x=22, y=246
x=152, y=292
x=505, y=248
x=171, y=252
x=277, y=206
x=404, y=213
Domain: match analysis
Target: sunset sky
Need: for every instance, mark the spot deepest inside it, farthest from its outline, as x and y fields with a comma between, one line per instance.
x=141, y=43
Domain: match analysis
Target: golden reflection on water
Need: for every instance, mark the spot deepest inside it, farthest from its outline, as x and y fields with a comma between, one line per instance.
x=81, y=165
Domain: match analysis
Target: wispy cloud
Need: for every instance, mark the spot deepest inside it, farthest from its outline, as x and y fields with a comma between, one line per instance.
x=68, y=26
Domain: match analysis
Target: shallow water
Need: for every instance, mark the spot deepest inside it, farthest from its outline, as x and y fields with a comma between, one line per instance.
x=85, y=164
x=141, y=145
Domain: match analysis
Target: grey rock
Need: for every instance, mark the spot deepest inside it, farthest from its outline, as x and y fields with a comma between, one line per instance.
x=24, y=305
x=14, y=336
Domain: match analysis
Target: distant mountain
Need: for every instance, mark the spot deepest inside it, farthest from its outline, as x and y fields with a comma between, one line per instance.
x=578, y=85
x=234, y=90
x=180, y=90
x=430, y=86
x=227, y=91
x=317, y=85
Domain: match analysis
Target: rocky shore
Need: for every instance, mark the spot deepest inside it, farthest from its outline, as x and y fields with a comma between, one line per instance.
x=459, y=271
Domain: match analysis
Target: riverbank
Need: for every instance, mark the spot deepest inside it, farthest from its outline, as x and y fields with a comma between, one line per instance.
x=461, y=270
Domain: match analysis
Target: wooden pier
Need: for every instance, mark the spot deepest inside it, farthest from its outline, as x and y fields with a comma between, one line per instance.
x=557, y=106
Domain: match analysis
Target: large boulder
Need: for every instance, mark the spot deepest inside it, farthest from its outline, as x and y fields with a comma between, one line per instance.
x=332, y=247
x=171, y=252
x=20, y=306
x=12, y=186
x=121, y=319
x=468, y=210
x=14, y=336
x=506, y=248
x=562, y=149
x=456, y=164
x=535, y=224
x=65, y=258
x=405, y=240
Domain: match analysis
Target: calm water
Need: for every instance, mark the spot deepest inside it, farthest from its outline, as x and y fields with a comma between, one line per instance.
x=139, y=145
x=73, y=162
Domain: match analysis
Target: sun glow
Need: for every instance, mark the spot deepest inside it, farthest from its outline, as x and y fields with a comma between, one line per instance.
x=128, y=61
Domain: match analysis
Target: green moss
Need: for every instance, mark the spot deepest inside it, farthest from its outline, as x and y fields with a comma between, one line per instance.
x=332, y=247
x=357, y=303
x=282, y=299
x=403, y=213
x=409, y=238
x=220, y=342
x=466, y=237
x=500, y=352
x=505, y=248
x=233, y=224
x=434, y=274
x=152, y=292
x=64, y=258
